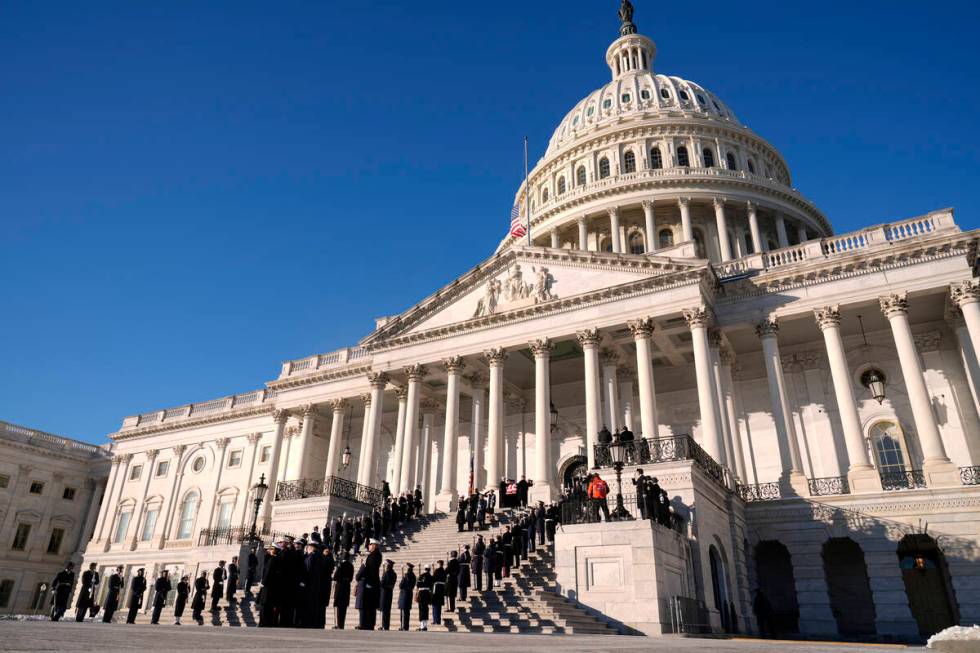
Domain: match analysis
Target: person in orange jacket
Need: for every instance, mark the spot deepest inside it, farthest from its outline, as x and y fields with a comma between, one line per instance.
x=598, y=490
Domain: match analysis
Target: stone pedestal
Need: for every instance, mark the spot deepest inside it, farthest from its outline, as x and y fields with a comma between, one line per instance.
x=941, y=474
x=445, y=502
x=864, y=480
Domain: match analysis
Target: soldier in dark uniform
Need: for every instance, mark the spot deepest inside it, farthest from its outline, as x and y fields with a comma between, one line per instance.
x=507, y=549
x=183, y=591
x=253, y=565
x=461, y=516
x=406, y=589
x=161, y=588
x=218, y=586
x=272, y=588
x=336, y=531
x=452, y=579
x=463, y=577
x=112, y=598
x=342, y=579
x=377, y=524
x=326, y=576
x=424, y=597
x=201, y=586
x=233, y=573
x=371, y=591
x=136, y=590
x=61, y=585
x=439, y=577
x=418, y=500
x=539, y=516
x=479, y=548
x=309, y=589
x=522, y=486
x=388, y=580
x=86, y=593
x=490, y=562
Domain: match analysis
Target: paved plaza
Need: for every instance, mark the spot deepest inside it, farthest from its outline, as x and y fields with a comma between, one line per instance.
x=47, y=636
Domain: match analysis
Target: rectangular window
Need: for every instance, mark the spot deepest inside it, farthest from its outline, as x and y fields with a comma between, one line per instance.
x=162, y=468
x=54, y=544
x=149, y=525
x=4, y=481
x=68, y=494
x=266, y=454
x=235, y=458
x=224, y=515
x=20, y=538
x=6, y=591
x=37, y=487
x=135, y=472
x=122, y=526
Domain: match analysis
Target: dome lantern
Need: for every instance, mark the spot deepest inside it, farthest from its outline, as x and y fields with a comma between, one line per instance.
x=631, y=52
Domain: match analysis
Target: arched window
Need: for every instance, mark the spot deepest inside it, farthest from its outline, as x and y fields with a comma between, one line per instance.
x=544, y=195
x=709, y=158
x=606, y=245
x=656, y=159
x=188, y=512
x=561, y=185
x=603, y=168
x=699, y=248
x=580, y=176
x=927, y=583
x=776, y=582
x=636, y=243
x=665, y=238
x=751, y=166
x=629, y=162
x=682, y=159
x=719, y=587
x=849, y=590
x=730, y=158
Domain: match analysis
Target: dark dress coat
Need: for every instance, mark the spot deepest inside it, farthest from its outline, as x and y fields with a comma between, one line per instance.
x=424, y=586
x=201, y=587
x=86, y=593
x=342, y=579
x=183, y=591
x=439, y=586
x=388, y=580
x=112, y=598
x=452, y=577
x=465, y=563
x=62, y=585
x=160, y=590
x=406, y=589
x=136, y=591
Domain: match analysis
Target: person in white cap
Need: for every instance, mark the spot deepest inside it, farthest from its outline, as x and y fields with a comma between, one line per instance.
x=370, y=573
x=423, y=597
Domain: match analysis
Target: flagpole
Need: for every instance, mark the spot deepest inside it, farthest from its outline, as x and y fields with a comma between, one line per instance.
x=527, y=195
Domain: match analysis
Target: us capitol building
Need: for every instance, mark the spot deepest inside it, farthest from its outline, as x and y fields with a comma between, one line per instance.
x=819, y=391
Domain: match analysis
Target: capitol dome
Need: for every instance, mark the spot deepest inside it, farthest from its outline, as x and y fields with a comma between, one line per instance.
x=655, y=164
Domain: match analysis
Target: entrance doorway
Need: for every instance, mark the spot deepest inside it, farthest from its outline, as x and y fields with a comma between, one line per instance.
x=574, y=468
x=719, y=586
x=774, y=570
x=849, y=588
x=927, y=585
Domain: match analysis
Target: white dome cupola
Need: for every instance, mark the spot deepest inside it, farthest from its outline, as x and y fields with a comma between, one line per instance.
x=631, y=52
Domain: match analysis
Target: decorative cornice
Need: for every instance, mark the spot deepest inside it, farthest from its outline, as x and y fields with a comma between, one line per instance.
x=365, y=398
x=894, y=304
x=308, y=410
x=767, y=328
x=319, y=377
x=541, y=348
x=454, y=364
x=589, y=337
x=965, y=292
x=216, y=418
x=280, y=415
x=827, y=316
x=641, y=328
x=495, y=357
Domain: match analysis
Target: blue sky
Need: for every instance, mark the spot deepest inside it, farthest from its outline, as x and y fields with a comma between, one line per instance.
x=191, y=193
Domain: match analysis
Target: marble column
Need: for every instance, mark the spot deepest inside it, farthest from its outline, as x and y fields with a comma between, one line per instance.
x=721, y=224
x=338, y=410
x=367, y=465
x=242, y=513
x=650, y=223
x=222, y=445
x=495, y=418
x=555, y=243
x=365, y=398
x=801, y=232
x=429, y=409
x=793, y=478
x=410, y=449
x=626, y=398
x=107, y=499
x=96, y=490
x=396, y=455
x=781, y=236
x=617, y=241
x=721, y=415
x=728, y=395
x=966, y=296
x=758, y=246
x=642, y=330
x=543, y=489
x=296, y=466
x=936, y=466
x=583, y=235
x=687, y=231
x=698, y=320
x=590, y=339
x=139, y=510
x=860, y=474
x=968, y=354
x=610, y=389
x=448, y=491
x=126, y=460
x=174, y=490
x=477, y=382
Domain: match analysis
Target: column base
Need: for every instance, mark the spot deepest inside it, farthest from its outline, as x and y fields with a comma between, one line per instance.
x=541, y=492
x=794, y=484
x=941, y=474
x=445, y=502
x=864, y=480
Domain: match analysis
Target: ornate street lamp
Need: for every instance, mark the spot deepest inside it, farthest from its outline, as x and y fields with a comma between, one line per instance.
x=874, y=380
x=617, y=452
x=258, y=495
x=554, y=417
x=345, y=458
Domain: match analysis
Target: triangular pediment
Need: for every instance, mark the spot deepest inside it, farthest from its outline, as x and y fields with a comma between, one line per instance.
x=519, y=279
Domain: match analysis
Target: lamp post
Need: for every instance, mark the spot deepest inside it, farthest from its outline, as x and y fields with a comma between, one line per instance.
x=874, y=381
x=554, y=417
x=345, y=459
x=258, y=494
x=617, y=451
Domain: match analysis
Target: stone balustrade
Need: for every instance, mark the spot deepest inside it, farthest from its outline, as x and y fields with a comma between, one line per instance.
x=214, y=406
x=318, y=362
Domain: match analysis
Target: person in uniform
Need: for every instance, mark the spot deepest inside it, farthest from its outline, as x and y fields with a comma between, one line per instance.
x=253, y=565
x=201, y=587
x=439, y=577
x=507, y=549
x=218, y=587
x=327, y=565
x=388, y=580
x=424, y=596
x=86, y=593
x=136, y=591
x=112, y=598
x=452, y=579
x=463, y=577
x=161, y=588
x=270, y=596
x=233, y=573
x=61, y=585
x=479, y=548
x=460, y=516
x=183, y=591
x=309, y=589
x=489, y=563
x=342, y=579
x=406, y=589
x=522, y=486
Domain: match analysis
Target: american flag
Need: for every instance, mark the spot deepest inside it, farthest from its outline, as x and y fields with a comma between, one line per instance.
x=517, y=228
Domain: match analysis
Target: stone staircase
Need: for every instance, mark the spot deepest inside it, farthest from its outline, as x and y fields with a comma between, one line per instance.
x=526, y=602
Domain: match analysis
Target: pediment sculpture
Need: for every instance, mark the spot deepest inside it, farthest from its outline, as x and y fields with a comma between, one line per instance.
x=513, y=292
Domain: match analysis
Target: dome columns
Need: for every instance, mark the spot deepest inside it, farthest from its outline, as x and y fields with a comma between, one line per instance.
x=583, y=235
x=687, y=231
x=617, y=243
x=722, y=225
x=758, y=245
x=650, y=224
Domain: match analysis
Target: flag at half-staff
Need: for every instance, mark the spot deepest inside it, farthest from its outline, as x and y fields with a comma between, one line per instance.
x=517, y=228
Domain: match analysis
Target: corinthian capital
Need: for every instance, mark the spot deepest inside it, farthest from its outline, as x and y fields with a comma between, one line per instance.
x=151, y=454
x=642, y=328
x=339, y=405
x=965, y=292
x=222, y=442
x=541, y=347
x=416, y=372
x=454, y=364
x=402, y=392
x=894, y=304
x=767, y=328
x=609, y=357
x=280, y=415
x=253, y=438
x=714, y=337
x=378, y=379
x=496, y=357
x=308, y=409
x=179, y=450
x=827, y=316
x=589, y=337
x=699, y=316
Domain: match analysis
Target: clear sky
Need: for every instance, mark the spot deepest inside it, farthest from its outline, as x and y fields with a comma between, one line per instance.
x=193, y=192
